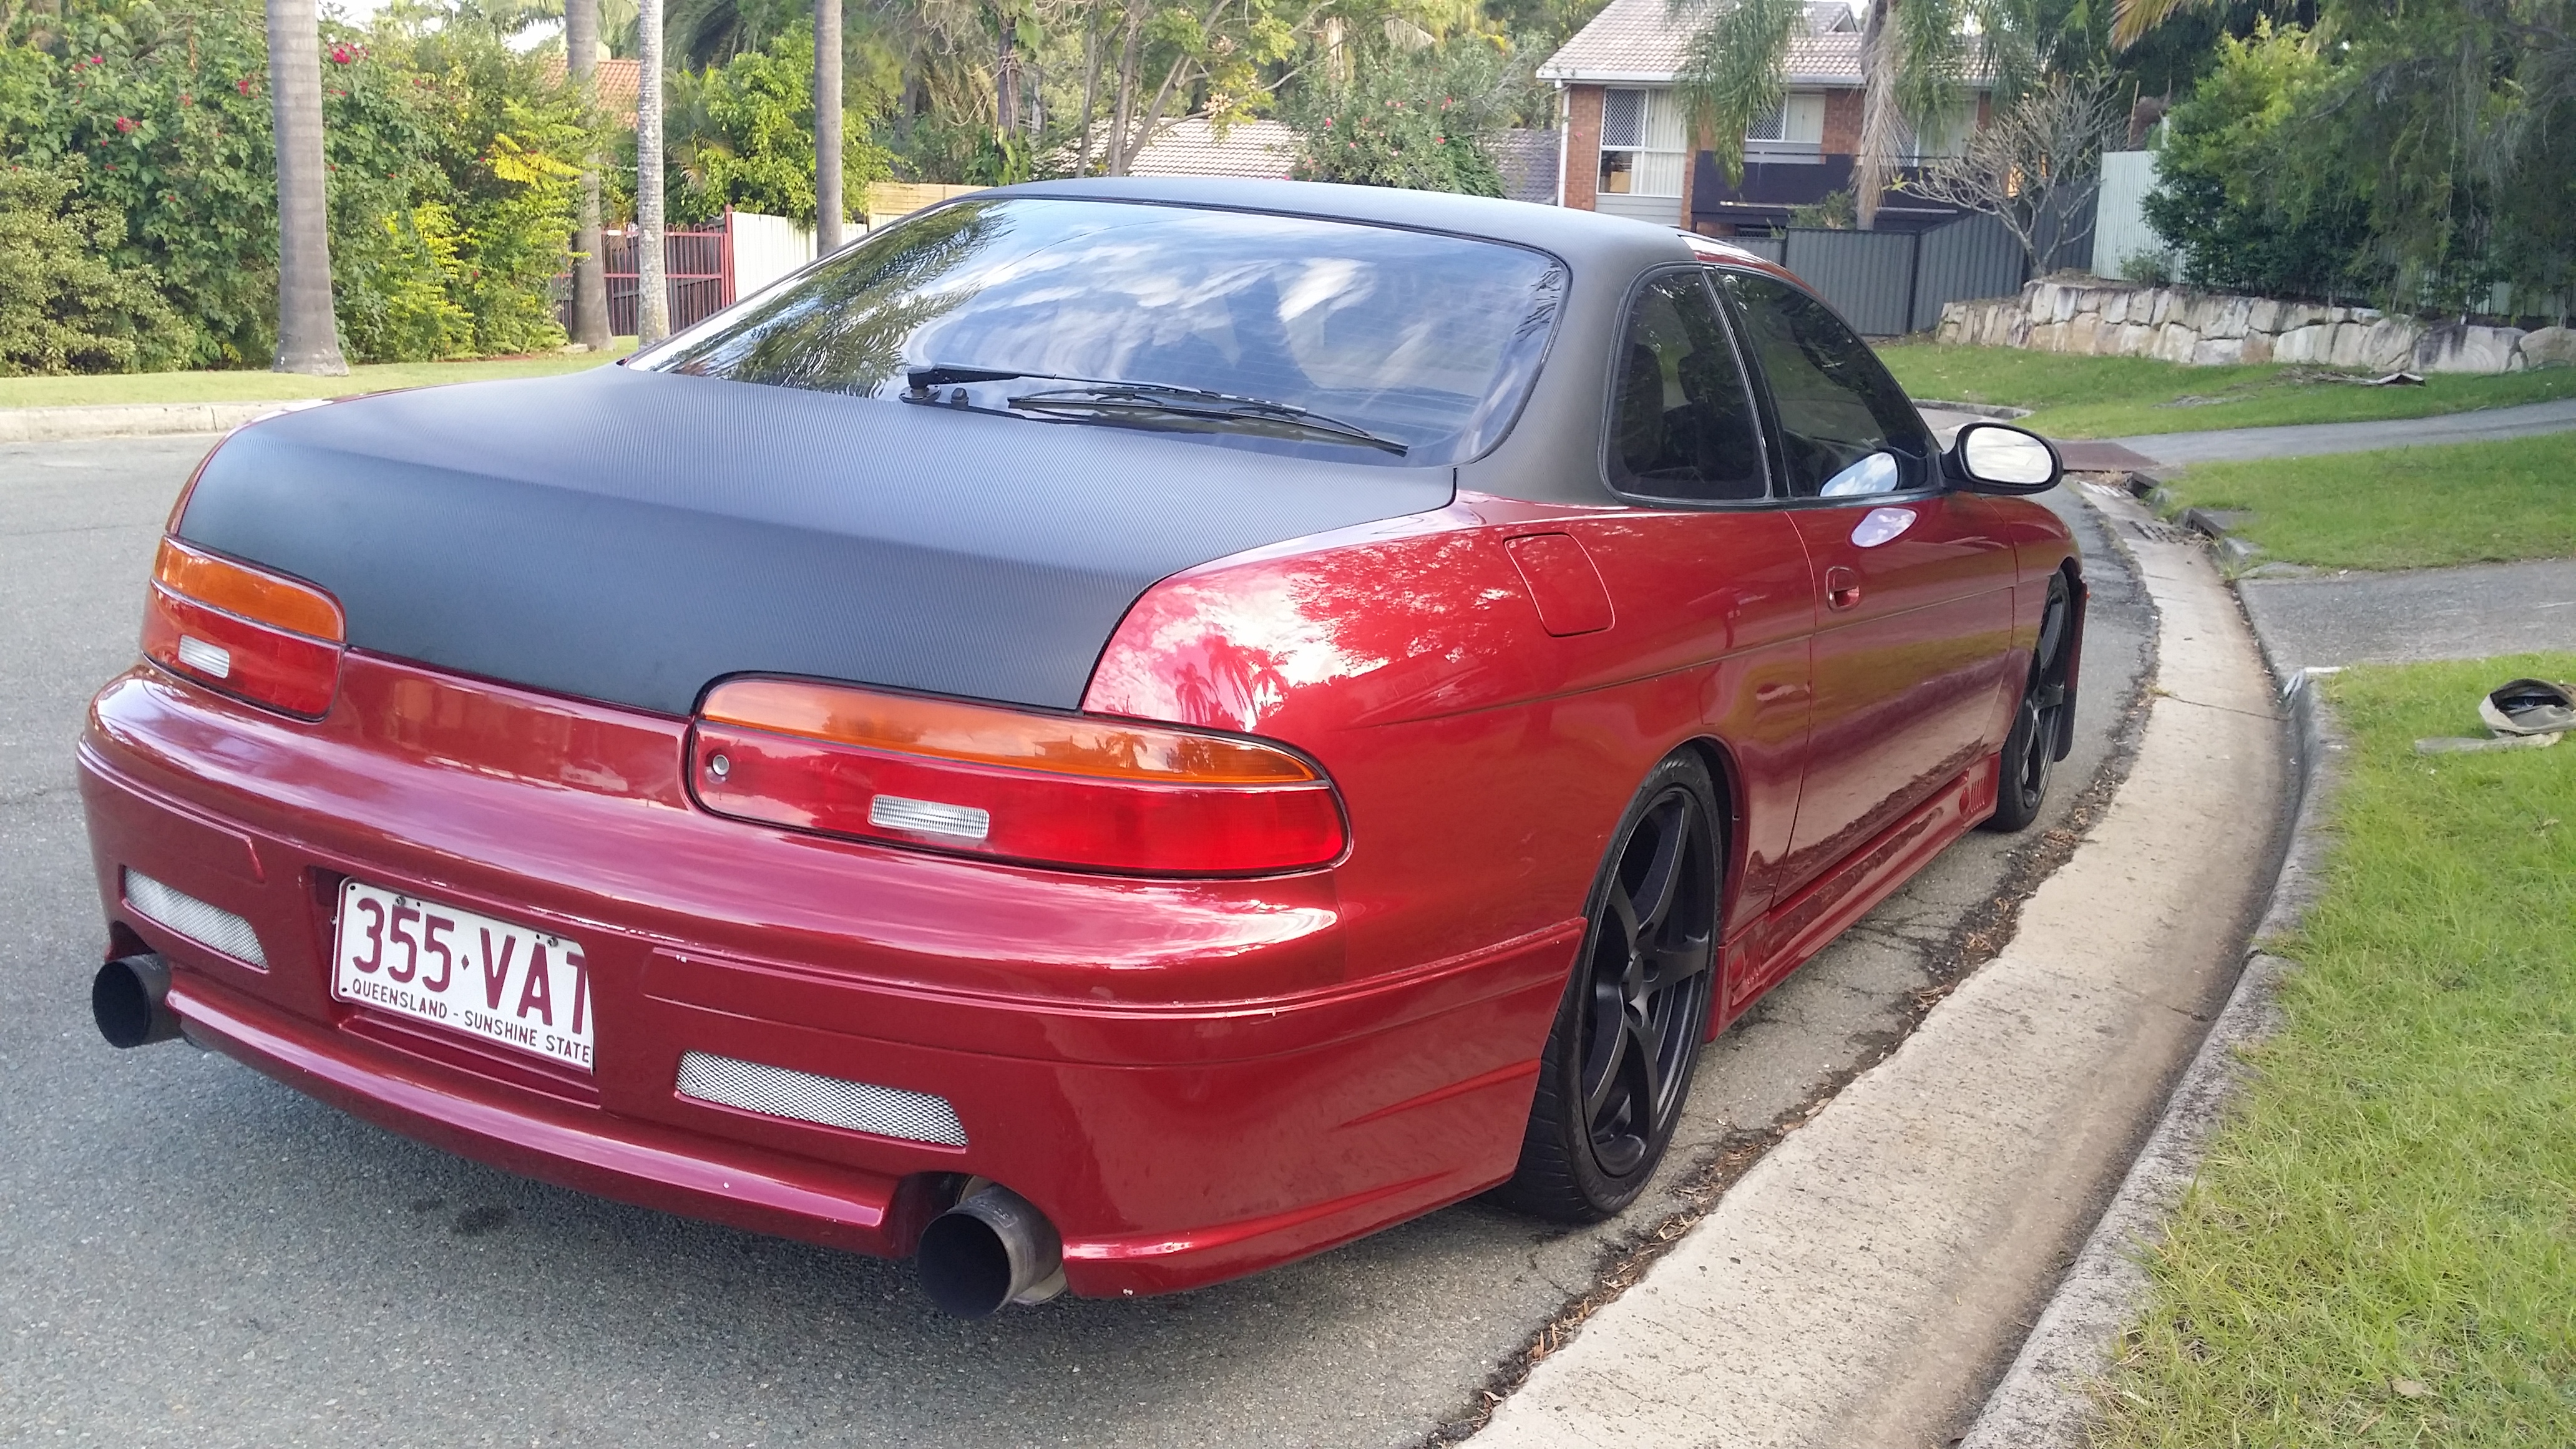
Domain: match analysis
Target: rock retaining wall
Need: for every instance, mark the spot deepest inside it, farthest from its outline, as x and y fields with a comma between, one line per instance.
x=2113, y=319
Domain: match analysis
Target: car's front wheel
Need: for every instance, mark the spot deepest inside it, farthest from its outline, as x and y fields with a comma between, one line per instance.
x=2030, y=750
x=1627, y=1036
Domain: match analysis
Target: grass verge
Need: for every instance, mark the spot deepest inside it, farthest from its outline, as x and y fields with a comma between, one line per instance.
x=249, y=386
x=2113, y=397
x=2381, y=1246
x=2405, y=508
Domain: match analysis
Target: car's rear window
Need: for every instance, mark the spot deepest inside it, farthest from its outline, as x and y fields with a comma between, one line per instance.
x=1429, y=340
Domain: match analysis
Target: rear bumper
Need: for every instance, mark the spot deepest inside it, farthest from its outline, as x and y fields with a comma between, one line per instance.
x=1188, y=1079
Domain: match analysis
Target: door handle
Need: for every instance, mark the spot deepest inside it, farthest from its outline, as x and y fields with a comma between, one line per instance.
x=1842, y=588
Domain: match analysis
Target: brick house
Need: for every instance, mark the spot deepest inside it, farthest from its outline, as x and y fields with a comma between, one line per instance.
x=1625, y=149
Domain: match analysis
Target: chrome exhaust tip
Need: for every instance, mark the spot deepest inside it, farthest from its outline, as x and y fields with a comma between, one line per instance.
x=129, y=999
x=993, y=1248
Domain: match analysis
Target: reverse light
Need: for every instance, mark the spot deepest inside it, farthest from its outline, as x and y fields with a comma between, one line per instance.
x=266, y=638
x=1080, y=791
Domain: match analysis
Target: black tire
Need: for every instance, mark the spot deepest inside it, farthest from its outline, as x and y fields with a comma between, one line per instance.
x=1627, y=1036
x=2030, y=751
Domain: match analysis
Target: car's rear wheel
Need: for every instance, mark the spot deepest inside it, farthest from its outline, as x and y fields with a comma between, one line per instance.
x=2030, y=750
x=1627, y=1036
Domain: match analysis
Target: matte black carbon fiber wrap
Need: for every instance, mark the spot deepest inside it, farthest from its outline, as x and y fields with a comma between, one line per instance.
x=630, y=537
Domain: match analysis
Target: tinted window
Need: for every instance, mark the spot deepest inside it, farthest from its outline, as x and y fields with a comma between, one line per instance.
x=1428, y=340
x=1845, y=425
x=1682, y=420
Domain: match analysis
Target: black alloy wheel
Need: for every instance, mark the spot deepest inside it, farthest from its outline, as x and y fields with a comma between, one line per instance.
x=2030, y=751
x=1627, y=1036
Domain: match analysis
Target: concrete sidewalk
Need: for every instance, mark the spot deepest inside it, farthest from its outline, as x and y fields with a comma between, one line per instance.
x=1866, y=1282
x=2468, y=612
x=2483, y=425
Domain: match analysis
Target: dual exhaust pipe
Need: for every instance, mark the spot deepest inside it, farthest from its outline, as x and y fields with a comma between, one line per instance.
x=993, y=1248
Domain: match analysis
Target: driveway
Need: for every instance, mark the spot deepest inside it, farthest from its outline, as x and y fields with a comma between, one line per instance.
x=193, y=1255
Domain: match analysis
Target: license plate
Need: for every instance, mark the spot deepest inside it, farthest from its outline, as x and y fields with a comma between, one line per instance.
x=467, y=972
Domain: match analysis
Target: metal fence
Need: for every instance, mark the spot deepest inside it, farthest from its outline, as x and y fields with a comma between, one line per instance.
x=1886, y=283
x=697, y=268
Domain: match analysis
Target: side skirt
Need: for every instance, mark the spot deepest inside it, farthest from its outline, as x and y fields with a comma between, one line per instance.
x=1790, y=933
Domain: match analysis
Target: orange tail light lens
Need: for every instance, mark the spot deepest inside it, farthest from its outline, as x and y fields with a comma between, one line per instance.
x=1065, y=790
x=268, y=639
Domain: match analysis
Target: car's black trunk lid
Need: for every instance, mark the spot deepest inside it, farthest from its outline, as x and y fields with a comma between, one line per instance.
x=629, y=536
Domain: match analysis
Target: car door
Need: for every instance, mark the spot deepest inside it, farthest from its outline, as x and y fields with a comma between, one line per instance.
x=1914, y=583
x=1711, y=585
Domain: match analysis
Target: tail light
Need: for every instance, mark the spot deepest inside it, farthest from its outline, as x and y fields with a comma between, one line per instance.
x=269, y=639
x=1067, y=790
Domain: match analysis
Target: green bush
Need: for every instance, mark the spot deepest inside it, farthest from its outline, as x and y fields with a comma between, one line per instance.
x=64, y=306
x=1416, y=121
x=2251, y=190
x=742, y=135
x=451, y=174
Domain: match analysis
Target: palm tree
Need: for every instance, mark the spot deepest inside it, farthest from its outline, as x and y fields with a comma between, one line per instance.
x=652, y=295
x=589, y=268
x=308, y=336
x=827, y=125
x=1912, y=54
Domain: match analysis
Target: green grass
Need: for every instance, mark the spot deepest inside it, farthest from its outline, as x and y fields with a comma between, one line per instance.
x=2404, y=508
x=2112, y=397
x=2381, y=1246
x=247, y=386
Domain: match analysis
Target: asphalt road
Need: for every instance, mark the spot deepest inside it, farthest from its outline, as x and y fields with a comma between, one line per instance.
x=193, y=1255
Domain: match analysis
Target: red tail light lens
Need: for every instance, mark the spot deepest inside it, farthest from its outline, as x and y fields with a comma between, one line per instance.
x=1066, y=790
x=269, y=639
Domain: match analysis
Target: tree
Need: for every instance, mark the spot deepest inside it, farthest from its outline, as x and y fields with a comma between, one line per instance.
x=1159, y=57
x=2028, y=166
x=1418, y=121
x=828, y=210
x=652, y=291
x=1912, y=55
x=589, y=267
x=308, y=338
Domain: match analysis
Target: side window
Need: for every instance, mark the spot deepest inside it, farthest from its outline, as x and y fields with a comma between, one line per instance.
x=1846, y=427
x=1682, y=419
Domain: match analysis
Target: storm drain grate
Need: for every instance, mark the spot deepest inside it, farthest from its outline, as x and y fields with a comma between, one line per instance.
x=2163, y=532
x=813, y=1097
x=204, y=924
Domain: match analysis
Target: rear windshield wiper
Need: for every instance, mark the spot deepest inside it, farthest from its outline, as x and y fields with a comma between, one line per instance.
x=1140, y=399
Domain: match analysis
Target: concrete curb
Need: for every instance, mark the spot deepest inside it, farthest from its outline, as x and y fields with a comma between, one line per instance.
x=2046, y=1399
x=126, y=420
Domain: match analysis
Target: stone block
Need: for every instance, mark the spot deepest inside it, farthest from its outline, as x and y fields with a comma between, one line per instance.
x=2174, y=343
x=2061, y=307
x=2227, y=317
x=2218, y=352
x=2303, y=344
x=2344, y=349
x=2300, y=314
x=2163, y=309
x=2263, y=317
x=2549, y=347
x=2463, y=348
x=2388, y=342
x=2257, y=347
x=2115, y=307
x=2082, y=333
x=2134, y=338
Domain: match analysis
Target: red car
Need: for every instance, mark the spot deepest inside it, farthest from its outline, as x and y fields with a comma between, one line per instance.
x=1111, y=735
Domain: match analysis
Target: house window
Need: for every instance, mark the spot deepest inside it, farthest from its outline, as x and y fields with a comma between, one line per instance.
x=1793, y=132
x=1643, y=149
x=1947, y=136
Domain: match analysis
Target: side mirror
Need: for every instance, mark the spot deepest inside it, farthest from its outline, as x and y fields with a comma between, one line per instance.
x=1997, y=458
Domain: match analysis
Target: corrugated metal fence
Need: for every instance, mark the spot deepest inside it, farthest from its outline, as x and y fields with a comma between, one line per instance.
x=1890, y=282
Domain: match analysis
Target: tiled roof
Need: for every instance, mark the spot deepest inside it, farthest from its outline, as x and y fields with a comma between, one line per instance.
x=619, y=79
x=1262, y=150
x=1646, y=41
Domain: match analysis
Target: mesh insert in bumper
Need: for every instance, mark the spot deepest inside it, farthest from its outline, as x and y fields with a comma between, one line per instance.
x=190, y=917
x=812, y=1097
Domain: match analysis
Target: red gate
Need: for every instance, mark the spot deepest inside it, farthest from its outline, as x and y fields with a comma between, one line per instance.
x=697, y=269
